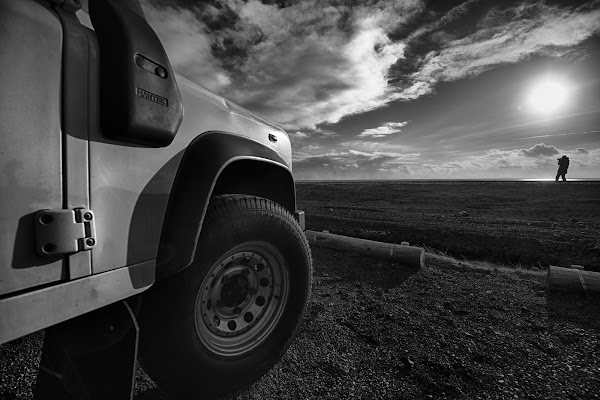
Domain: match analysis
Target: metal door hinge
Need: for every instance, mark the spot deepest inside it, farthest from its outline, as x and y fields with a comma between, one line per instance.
x=59, y=232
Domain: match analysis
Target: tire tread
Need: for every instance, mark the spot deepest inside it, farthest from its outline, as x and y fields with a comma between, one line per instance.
x=222, y=210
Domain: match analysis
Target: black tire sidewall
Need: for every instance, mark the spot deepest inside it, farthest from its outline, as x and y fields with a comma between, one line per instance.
x=192, y=367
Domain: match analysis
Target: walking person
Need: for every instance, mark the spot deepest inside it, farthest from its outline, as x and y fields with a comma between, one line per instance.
x=563, y=165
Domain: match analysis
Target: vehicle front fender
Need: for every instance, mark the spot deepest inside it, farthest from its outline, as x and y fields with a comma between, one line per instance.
x=208, y=157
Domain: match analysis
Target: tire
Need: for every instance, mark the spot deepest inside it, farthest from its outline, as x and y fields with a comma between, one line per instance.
x=220, y=324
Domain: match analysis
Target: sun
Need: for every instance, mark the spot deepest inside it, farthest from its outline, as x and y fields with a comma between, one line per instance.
x=548, y=96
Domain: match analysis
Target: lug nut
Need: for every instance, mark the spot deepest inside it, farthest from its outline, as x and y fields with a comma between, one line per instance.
x=216, y=321
x=231, y=325
x=260, y=301
x=248, y=317
x=264, y=282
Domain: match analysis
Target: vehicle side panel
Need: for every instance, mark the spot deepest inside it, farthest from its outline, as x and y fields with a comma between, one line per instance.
x=28, y=312
x=130, y=185
x=30, y=139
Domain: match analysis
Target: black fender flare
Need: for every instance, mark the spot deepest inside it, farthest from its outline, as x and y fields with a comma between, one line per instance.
x=202, y=163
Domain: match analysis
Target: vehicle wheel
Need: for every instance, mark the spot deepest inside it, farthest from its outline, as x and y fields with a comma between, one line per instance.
x=220, y=324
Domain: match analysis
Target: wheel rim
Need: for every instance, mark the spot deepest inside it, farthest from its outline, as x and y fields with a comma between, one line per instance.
x=241, y=299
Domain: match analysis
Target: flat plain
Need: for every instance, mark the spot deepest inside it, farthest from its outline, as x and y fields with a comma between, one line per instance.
x=525, y=223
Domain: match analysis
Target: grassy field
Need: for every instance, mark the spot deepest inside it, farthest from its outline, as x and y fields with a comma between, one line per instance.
x=532, y=224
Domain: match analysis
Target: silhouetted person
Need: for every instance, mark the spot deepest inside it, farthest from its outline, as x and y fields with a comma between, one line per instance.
x=563, y=165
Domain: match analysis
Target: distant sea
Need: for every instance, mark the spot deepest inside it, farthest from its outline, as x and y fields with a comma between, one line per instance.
x=409, y=181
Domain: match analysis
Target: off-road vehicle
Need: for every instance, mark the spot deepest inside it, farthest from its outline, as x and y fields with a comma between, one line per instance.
x=139, y=212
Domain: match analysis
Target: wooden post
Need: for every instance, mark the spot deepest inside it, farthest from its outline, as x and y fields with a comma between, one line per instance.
x=413, y=256
x=576, y=281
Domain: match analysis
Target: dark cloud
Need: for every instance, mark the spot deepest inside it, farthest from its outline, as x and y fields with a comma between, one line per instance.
x=304, y=63
x=430, y=30
x=475, y=36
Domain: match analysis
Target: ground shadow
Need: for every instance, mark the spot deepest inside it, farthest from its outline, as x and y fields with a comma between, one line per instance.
x=354, y=267
x=147, y=220
x=151, y=394
x=573, y=309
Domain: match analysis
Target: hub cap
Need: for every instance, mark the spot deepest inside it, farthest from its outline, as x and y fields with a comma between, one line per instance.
x=241, y=299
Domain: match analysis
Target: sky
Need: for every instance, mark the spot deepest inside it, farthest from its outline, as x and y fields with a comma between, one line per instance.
x=404, y=89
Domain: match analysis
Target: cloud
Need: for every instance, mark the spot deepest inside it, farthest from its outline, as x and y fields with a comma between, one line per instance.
x=375, y=163
x=299, y=135
x=540, y=150
x=538, y=156
x=386, y=129
x=187, y=44
x=559, y=134
x=357, y=156
x=306, y=81
x=353, y=163
x=310, y=62
x=520, y=161
x=507, y=36
x=350, y=166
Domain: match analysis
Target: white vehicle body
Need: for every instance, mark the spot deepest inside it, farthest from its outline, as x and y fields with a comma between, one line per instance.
x=55, y=156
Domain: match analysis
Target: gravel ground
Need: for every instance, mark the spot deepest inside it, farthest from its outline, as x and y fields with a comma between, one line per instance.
x=378, y=330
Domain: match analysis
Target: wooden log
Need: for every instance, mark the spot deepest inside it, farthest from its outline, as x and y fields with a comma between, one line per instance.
x=576, y=281
x=413, y=256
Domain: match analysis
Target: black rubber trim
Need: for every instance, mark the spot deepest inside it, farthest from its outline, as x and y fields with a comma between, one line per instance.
x=203, y=161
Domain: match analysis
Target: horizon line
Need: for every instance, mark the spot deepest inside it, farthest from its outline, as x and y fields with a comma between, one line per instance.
x=452, y=179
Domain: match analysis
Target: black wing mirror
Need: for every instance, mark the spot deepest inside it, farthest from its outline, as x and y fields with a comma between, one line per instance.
x=139, y=98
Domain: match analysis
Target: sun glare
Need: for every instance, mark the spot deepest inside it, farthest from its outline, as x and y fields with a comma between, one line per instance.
x=548, y=96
